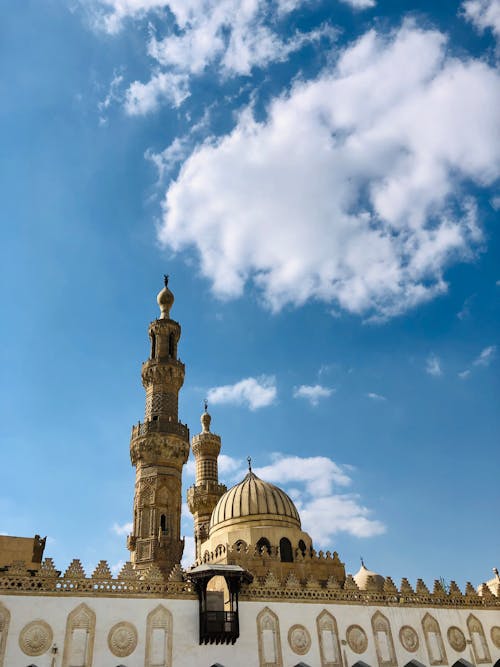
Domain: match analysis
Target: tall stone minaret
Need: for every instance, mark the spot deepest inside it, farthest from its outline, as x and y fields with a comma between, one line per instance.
x=158, y=449
x=203, y=495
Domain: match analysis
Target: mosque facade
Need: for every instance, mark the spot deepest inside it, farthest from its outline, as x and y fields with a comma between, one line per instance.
x=258, y=595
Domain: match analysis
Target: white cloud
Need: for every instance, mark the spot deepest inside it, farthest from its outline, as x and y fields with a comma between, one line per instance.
x=483, y=14
x=142, y=98
x=123, y=529
x=433, y=366
x=312, y=483
x=376, y=397
x=253, y=392
x=463, y=375
x=312, y=393
x=360, y=4
x=361, y=172
x=116, y=11
x=486, y=357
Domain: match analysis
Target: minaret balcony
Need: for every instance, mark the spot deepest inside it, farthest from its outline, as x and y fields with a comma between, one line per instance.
x=161, y=425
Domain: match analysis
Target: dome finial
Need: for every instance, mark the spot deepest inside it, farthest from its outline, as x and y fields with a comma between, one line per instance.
x=165, y=299
x=249, y=460
x=205, y=418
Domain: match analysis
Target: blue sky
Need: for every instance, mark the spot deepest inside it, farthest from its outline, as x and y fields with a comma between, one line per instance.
x=320, y=180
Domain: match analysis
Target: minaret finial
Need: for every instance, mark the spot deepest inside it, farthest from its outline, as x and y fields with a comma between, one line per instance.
x=249, y=459
x=362, y=561
x=205, y=403
x=165, y=279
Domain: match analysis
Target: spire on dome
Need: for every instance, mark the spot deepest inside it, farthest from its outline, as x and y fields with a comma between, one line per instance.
x=165, y=300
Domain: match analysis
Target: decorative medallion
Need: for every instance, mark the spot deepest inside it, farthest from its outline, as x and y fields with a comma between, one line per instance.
x=495, y=635
x=122, y=639
x=35, y=638
x=456, y=638
x=409, y=638
x=357, y=639
x=299, y=639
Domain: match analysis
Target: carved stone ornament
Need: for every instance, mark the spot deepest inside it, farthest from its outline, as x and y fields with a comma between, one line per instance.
x=122, y=639
x=495, y=635
x=299, y=639
x=456, y=638
x=357, y=639
x=409, y=638
x=35, y=638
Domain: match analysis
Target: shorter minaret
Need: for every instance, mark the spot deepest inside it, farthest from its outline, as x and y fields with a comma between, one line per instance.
x=203, y=496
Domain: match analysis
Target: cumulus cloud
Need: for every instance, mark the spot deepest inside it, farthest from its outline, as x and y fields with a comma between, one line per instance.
x=484, y=14
x=142, y=98
x=253, y=392
x=314, y=483
x=232, y=36
x=360, y=4
x=312, y=393
x=123, y=529
x=433, y=366
x=361, y=172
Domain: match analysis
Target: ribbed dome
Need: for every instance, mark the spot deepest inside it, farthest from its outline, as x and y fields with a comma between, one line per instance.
x=253, y=497
x=365, y=578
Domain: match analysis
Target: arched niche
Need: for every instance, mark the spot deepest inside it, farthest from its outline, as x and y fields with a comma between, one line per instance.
x=263, y=546
x=328, y=639
x=360, y=663
x=414, y=663
x=286, y=553
x=478, y=638
x=384, y=644
x=4, y=628
x=268, y=632
x=434, y=641
x=462, y=663
x=159, y=626
x=79, y=637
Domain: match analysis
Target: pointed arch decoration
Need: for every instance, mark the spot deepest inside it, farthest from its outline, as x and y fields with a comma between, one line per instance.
x=434, y=641
x=79, y=637
x=159, y=633
x=4, y=628
x=328, y=639
x=462, y=663
x=268, y=632
x=479, y=643
x=414, y=663
x=384, y=644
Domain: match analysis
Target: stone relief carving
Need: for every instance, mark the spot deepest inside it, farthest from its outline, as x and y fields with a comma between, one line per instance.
x=328, y=637
x=159, y=629
x=79, y=637
x=479, y=643
x=299, y=639
x=122, y=639
x=409, y=639
x=384, y=644
x=434, y=641
x=268, y=632
x=4, y=628
x=456, y=638
x=495, y=636
x=357, y=639
x=35, y=638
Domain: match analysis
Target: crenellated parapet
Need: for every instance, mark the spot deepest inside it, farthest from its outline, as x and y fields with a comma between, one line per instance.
x=129, y=582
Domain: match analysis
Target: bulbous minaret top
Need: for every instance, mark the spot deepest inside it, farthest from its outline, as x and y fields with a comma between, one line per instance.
x=165, y=300
x=205, y=420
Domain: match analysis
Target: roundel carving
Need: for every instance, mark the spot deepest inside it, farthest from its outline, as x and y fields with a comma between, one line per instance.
x=456, y=638
x=409, y=638
x=122, y=639
x=299, y=639
x=357, y=639
x=35, y=638
x=495, y=635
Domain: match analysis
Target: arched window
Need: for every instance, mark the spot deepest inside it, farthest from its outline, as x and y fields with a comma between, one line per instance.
x=163, y=523
x=240, y=545
x=286, y=553
x=264, y=546
x=171, y=345
x=302, y=547
x=153, y=345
